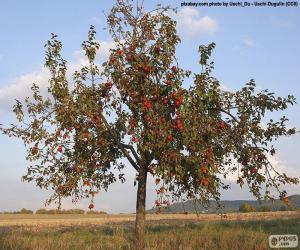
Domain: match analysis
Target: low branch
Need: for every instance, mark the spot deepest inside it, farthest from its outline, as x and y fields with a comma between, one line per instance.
x=226, y=112
x=120, y=145
x=130, y=147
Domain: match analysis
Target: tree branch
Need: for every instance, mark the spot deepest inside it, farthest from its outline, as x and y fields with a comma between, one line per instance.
x=226, y=112
x=121, y=145
x=130, y=147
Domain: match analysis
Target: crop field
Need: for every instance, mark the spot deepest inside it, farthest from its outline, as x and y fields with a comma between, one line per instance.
x=164, y=231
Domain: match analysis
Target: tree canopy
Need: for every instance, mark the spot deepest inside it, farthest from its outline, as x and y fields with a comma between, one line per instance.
x=135, y=107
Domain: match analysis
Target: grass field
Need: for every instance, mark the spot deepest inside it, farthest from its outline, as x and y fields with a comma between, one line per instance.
x=208, y=231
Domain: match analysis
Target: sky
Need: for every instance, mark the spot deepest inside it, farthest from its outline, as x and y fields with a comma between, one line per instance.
x=260, y=43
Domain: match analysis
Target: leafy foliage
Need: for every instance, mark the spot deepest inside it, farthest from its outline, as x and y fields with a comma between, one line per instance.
x=136, y=108
x=247, y=208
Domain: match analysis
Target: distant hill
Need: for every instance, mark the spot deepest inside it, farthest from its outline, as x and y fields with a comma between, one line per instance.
x=229, y=206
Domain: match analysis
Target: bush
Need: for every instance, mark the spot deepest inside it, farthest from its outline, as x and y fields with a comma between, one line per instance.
x=22, y=211
x=265, y=209
x=70, y=211
x=56, y=211
x=247, y=208
x=26, y=211
x=283, y=208
x=41, y=211
x=95, y=212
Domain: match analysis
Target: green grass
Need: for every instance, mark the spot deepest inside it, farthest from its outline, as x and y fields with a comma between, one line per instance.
x=210, y=235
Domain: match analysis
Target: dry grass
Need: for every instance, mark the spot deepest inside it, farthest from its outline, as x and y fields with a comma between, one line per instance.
x=164, y=232
x=95, y=219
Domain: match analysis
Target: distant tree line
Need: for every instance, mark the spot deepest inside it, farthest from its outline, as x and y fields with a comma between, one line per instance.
x=248, y=208
x=22, y=211
x=54, y=211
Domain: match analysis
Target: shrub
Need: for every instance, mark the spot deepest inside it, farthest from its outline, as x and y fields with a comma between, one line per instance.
x=265, y=209
x=95, y=212
x=70, y=211
x=283, y=208
x=41, y=211
x=26, y=211
x=57, y=211
x=247, y=208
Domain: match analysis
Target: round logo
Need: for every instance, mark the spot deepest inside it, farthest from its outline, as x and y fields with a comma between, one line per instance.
x=274, y=241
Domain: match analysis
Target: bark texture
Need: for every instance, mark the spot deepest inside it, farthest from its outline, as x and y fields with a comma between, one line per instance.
x=140, y=209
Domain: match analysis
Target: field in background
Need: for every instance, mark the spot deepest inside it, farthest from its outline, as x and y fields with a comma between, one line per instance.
x=164, y=231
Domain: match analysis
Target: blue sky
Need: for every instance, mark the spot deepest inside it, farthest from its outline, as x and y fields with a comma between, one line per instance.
x=259, y=43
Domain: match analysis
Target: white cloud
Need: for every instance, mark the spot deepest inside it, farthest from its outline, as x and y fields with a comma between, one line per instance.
x=279, y=165
x=96, y=20
x=190, y=23
x=248, y=42
x=224, y=87
x=281, y=23
x=19, y=87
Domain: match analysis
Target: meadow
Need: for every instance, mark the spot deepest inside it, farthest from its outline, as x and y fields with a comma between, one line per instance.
x=164, y=231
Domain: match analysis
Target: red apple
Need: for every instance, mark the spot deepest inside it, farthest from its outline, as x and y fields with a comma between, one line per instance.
x=168, y=82
x=86, y=183
x=108, y=85
x=169, y=137
x=261, y=157
x=204, y=169
x=179, y=127
x=177, y=103
x=147, y=105
x=245, y=162
x=157, y=49
x=147, y=118
x=222, y=125
x=205, y=182
x=154, y=96
x=120, y=52
x=129, y=58
x=146, y=69
x=112, y=60
x=170, y=76
x=34, y=150
x=157, y=203
x=172, y=95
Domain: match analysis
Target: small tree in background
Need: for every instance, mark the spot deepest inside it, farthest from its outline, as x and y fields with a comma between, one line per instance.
x=265, y=209
x=41, y=211
x=26, y=211
x=247, y=208
x=137, y=109
x=283, y=208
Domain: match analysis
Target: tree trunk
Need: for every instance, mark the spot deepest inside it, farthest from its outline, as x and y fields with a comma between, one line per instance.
x=140, y=210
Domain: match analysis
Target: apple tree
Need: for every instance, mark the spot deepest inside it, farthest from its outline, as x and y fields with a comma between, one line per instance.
x=134, y=107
